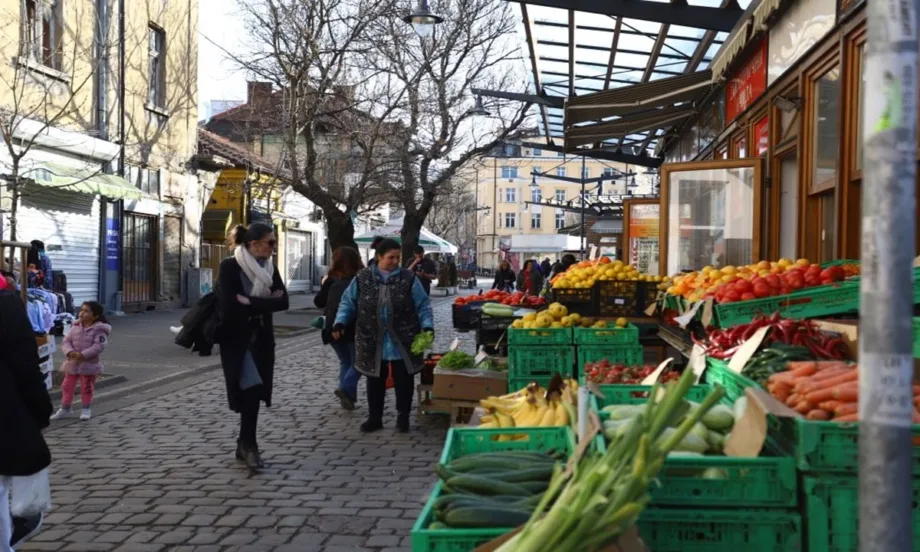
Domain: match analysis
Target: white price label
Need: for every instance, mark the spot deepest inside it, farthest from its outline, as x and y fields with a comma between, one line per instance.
x=889, y=380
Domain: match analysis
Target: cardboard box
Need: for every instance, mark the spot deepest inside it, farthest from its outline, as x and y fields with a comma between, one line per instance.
x=848, y=330
x=468, y=385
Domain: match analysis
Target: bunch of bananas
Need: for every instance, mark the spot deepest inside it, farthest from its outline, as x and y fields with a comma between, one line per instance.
x=532, y=407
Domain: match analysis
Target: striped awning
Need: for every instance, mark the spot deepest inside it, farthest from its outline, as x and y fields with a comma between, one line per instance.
x=730, y=51
x=630, y=124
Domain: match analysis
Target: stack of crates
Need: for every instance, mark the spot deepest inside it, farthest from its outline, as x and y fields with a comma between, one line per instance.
x=717, y=503
x=614, y=344
x=535, y=355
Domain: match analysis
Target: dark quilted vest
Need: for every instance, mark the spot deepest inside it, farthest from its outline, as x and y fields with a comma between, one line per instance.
x=368, y=328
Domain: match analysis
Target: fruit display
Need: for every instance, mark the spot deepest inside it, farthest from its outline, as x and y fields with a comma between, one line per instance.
x=557, y=316
x=516, y=299
x=532, y=406
x=707, y=436
x=598, y=502
x=586, y=273
x=605, y=372
x=723, y=343
x=764, y=279
x=824, y=390
x=493, y=489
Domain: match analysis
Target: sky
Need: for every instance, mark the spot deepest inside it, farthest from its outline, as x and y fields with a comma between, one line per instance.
x=219, y=30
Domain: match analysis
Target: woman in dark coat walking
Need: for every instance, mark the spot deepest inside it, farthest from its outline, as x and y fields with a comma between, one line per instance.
x=346, y=262
x=504, y=277
x=25, y=410
x=250, y=290
x=530, y=279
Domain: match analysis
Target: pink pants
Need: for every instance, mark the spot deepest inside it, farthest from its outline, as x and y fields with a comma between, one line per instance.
x=87, y=385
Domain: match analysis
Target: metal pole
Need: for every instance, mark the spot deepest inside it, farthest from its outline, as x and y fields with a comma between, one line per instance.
x=888, y=246
x=584, y=239
x=495, y=209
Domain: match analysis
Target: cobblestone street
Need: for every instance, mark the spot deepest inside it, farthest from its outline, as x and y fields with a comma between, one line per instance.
x=160, y=475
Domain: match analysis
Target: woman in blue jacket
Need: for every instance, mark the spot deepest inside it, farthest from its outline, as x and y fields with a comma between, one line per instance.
x=389, y=307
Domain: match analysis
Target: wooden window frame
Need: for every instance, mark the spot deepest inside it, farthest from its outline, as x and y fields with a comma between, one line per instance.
x=757, y=163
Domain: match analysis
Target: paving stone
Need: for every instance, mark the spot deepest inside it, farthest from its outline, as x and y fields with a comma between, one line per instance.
x=158, y=473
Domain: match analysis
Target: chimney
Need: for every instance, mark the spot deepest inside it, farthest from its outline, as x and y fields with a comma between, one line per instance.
x=256, y=91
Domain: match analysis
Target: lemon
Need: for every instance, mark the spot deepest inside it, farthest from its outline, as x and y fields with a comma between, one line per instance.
x=622, y=322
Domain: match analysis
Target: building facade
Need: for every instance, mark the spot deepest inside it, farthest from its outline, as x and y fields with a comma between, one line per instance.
x=100, y=108
x=509, y=224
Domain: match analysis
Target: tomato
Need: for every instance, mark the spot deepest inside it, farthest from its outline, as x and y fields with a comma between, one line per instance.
x=773, y=281
x=733, y=296
x=743, y=286
x=762, y=290
x=748, y=296
x=813, y=279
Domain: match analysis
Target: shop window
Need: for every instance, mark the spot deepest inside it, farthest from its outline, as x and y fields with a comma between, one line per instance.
x=739, y=146
x=826, y=137
x=828, y=233
x=860, y=105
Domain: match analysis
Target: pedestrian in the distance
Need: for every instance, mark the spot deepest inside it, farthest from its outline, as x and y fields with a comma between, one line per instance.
x=530, y=279
x=25, y=409
x=83, y=345
x=249, y=291
x=389, y=307
x=346, y=262
x=425, y=269
x=546, y=267
x=504, y=277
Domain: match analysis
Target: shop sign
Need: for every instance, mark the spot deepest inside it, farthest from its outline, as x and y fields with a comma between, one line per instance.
x=112, y=241
x=748, y=84
x=761, y=136
x=643, y=237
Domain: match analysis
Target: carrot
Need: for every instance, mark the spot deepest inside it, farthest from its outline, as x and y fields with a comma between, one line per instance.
x=828, y=364
x=829, y=405
x=806, y=370
x=793, y=400
x=851, y=376
x=916, y=402
x=782, y=376
x=794, y=365
x=846, y=408
x=804, y=407
x=818, y=414
x=847, y=418
x=782, y=393
x=828, y=373
x=845, y=392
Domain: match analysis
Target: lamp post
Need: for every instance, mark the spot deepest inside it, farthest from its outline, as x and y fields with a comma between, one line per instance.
x=423, y=19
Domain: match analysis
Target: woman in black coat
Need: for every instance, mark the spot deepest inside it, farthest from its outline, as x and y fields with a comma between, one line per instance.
x=25, y=408
x=504, y=277
x=346, y=262
x=250, y=290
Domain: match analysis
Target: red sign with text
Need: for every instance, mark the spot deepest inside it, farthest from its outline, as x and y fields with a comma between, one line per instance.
x=761, y=136
x=748, y=84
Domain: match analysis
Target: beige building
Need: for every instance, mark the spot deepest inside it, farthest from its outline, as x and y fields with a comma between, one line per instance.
x=508, y=227
x=101, y=137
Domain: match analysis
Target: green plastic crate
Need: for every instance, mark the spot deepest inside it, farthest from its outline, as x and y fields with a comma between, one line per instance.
x=814, y=302
x=532, y=361
x=462, y=442
x=832, y=513
x=543, y=336
x=607, y=336
x=447, y=540
x=717, y=372
x=699, y=530
x=916, y=337
x=764, y=482
x=834, y=446
x=629, y=355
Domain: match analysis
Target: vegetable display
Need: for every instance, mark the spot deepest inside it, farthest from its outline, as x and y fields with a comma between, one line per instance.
x=824, y=390
x=707, y=436
x=516, y=299
x=604, y=372
x=498, y=311
x=422, y=342
x=773, y=360
x=457, y=360
x=611, y=491
x=723, y=343
x=533, y=406
x=492, y=490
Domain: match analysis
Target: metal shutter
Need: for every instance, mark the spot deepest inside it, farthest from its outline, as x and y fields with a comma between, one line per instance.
x=69, y=225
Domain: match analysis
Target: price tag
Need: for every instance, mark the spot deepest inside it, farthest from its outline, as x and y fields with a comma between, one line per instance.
x=653, y=377
x=697, y=361
x=750, y=431
x=595, y=389
x=593, y=254
x=455, y=345
x=651, y=309
x=481, y=355
x=707, y=313
x=685, y=319
x=619, y=301
x=747, y=350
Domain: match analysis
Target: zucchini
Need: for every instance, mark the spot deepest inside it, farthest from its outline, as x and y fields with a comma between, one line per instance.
x=443, y=472
x=487, y=487
x=486, y=517
x=470, y=463
x=535, y=486
x=542, y=474
x=438, y=525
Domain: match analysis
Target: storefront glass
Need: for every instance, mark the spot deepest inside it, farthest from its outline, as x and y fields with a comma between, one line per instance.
x=710, y=218
x=860, y=102
x=827, y=130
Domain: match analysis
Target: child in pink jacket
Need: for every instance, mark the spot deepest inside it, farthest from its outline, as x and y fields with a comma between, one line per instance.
x=82, y=346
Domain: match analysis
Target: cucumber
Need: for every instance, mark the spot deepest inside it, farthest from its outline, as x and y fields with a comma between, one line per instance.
x=542, y=473
x=487, y=487
x=535, y=486
x=470, y=463
x=486, y=517
x=438, y=525
x=443, y=472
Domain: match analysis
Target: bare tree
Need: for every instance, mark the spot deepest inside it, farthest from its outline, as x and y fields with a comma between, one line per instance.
x=48, y=83
x=427, y=84
x=453, y=213
x=372, y=114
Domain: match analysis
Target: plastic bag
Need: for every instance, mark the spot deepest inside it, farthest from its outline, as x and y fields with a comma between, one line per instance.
x=390, y=383
x=30, y=495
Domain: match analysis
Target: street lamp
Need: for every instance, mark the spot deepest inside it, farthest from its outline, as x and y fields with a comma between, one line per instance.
x=478, y=110
x=423, y=19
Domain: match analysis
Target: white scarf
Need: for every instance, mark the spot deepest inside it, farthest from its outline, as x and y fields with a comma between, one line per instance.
x=260, y=276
